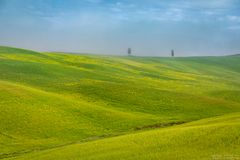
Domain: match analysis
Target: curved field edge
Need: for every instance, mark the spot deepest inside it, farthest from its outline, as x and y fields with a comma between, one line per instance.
x=204, y=139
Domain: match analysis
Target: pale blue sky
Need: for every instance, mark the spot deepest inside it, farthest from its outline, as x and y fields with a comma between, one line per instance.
x=149, y=27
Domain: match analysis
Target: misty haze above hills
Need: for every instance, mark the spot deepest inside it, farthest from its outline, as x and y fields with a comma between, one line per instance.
x=149, y=27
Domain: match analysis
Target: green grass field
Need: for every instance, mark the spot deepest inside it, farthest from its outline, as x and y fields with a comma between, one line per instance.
x=67, y=106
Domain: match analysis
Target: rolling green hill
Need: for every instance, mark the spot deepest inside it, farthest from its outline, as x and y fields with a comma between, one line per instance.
x=49, y=101
x=214, y=138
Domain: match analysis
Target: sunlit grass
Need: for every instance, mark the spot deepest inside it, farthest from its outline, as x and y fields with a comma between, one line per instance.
x=206, y=139
x=50, y=99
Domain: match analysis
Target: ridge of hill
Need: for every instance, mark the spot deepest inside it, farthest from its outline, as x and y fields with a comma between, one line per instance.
x=212, y=138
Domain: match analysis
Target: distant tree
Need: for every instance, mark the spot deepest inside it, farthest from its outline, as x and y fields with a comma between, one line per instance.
x=129, y=51
x=172, y=53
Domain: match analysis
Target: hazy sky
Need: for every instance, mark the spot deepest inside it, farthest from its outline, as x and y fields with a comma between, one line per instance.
x=149, y=27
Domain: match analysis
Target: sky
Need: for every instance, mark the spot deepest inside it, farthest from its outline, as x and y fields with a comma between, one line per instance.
x=149, y=27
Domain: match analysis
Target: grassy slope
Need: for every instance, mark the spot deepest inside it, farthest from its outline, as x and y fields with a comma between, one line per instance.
x=54, y=99
x=213, y=138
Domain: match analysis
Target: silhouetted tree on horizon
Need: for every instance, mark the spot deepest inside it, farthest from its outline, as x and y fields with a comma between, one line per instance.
x=129, y=51
x=172, y=53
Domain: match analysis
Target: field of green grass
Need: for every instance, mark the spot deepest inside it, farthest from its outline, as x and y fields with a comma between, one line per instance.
x=214, y=138
x=68, y=106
